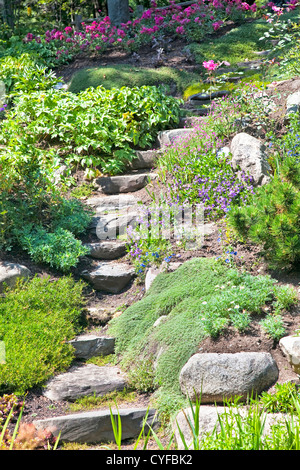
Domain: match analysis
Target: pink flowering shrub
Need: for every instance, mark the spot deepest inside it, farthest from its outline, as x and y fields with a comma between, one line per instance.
x=201, y=18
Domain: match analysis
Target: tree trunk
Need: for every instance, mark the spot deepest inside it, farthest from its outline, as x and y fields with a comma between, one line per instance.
x=118, y=11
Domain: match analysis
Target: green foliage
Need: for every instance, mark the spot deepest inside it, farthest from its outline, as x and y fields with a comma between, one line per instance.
x=22, y=74
x=58, y=249
x=96, y=128
x=272, y=217
x=36, y=321
x=200, y=299
x=283, y=400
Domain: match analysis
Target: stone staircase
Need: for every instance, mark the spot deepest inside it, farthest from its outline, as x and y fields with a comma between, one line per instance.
x=115, y=206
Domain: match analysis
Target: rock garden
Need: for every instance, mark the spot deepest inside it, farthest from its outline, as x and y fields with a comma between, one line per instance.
x=150, y=237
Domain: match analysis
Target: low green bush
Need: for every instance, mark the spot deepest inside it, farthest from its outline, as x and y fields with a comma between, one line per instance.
x=36, y=321
x=96, y=129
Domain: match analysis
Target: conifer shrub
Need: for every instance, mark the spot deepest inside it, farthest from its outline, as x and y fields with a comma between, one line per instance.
x=271, y=218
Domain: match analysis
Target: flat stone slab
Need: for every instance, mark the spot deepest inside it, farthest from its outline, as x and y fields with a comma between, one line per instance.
x=107, y=249
x=290, y=346
x=87, y=346
x=10, y=273
x=123, y=183
x=111, y=203
x=217, y=376
x=110, y=277
x=109, y=226
x=85, y=380
x=95, y=426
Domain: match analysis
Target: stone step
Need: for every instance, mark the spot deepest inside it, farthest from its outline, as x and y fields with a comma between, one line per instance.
x=166, y=138
x=124, y=183
x=110, y=226
x=108, y=277
x=107, y=249
x=95, y=426
x=145, y=159
x=87, y=346
x=85, y=380
x=111, y=203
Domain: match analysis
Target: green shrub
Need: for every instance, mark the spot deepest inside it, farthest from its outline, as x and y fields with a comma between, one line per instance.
x=272, y=217
x=36, y=321
x=96, y=129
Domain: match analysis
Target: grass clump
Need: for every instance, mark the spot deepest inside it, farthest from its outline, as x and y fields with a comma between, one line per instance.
x=200, y=299
x=118, y=76
x=36, y=321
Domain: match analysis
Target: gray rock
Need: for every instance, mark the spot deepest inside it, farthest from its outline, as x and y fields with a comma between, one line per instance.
x=111, y=203
x=10, y=273
x=292, y=104
x=108, y=227
x=218, y=376
x=124, y=183
x=110, y=277
x=95, y=426
x=209, y=417
x=144, y=159
x=290, y=346
x=166, y=138
x=248, y=155
x=85, y=380
x=107, y=249
x=87, y=346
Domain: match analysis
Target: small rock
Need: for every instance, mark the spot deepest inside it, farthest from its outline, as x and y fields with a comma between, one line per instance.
x=10, y=273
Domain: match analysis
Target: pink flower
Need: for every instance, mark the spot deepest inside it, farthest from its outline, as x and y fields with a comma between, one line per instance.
x=210, y=65
x=180, y=30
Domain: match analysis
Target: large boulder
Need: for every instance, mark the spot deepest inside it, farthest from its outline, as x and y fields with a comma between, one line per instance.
x=86, y=380
x=249, y=156
x=95, y=426
x=216, y=377
x=10, y=273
